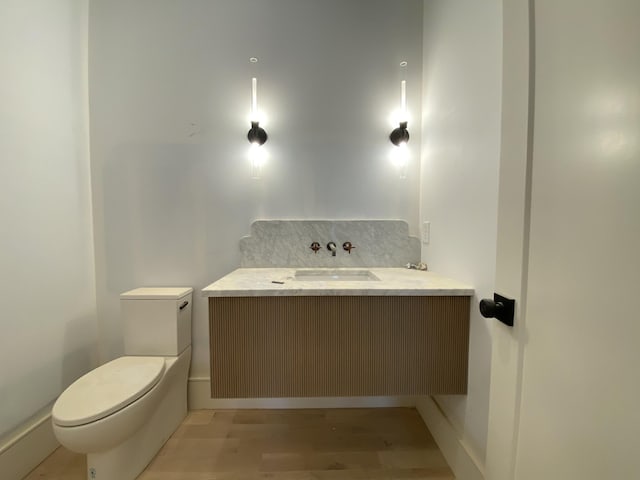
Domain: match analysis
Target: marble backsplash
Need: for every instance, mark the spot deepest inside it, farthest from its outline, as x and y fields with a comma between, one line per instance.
x=287, y=243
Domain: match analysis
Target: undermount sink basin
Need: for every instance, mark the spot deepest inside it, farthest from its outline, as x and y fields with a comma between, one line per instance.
x=327, y=275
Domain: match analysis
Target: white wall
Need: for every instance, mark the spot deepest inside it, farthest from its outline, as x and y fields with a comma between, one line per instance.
x=47, y=289
x=459, y=178
x=170, y=90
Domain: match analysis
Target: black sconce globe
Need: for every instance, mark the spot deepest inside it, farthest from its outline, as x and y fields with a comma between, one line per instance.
x=257, y=134
x=399, y=135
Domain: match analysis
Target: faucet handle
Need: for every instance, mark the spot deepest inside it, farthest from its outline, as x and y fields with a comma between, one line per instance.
x=348, y=246
x=315, y=246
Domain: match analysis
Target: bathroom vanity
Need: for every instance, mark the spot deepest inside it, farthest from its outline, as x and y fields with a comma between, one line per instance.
x=296, y=332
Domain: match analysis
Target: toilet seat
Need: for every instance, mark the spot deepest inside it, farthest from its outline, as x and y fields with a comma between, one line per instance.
x=107, y=389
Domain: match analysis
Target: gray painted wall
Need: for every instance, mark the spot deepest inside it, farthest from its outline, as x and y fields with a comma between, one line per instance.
x=169, y=97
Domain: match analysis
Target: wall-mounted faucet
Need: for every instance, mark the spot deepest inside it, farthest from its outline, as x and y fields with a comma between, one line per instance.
x=331, y=246
x=348, y=246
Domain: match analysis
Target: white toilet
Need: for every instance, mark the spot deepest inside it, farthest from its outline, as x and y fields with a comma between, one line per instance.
x=121, y=413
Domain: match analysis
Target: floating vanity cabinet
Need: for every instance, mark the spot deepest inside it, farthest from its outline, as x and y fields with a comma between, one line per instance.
x=317, y=346
x=283, y=332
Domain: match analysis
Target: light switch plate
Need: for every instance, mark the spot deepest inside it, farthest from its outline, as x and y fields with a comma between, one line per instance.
x=426, y=232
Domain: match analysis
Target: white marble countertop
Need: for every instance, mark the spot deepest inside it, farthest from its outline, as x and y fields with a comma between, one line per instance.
x=259, y=282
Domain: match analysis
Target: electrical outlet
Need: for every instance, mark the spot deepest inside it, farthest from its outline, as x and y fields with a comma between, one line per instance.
x=426, y=232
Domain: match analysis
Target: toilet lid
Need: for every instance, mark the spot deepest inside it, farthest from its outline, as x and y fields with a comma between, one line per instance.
x=107, y=389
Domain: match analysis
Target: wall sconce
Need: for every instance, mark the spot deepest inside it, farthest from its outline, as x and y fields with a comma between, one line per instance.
x=400, y=136
x=256, y=135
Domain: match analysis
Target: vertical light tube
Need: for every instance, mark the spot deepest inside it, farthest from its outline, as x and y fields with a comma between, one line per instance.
x=257, y=158
x=257, y=135
x=254, y=99
x=400, y=135
x=403, y=101
x=403, y=159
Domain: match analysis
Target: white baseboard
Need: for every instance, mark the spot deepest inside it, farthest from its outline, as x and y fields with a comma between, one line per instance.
x=459, y=457
x=199, y=395
x=27, y=447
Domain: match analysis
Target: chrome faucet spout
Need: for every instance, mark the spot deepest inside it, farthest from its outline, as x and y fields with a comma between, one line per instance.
x=331, y=246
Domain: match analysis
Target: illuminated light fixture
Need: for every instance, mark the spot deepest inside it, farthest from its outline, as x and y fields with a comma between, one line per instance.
x=257, y=136
x=400, y=136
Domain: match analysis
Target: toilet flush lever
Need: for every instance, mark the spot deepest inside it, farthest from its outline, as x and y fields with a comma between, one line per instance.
x=184, y=304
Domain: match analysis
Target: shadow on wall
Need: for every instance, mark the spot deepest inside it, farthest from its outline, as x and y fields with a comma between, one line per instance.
x=54, y=374
x=78, y=359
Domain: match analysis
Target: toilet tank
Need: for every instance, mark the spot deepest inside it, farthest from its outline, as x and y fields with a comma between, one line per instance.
x=157, y=321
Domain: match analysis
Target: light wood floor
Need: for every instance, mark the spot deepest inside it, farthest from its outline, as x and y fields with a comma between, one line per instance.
x=331, y=444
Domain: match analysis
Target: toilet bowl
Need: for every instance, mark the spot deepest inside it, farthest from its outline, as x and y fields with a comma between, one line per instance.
x=121, y=413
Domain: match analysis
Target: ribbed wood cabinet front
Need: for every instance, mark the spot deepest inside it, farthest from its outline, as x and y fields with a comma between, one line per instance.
x=333, y=346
